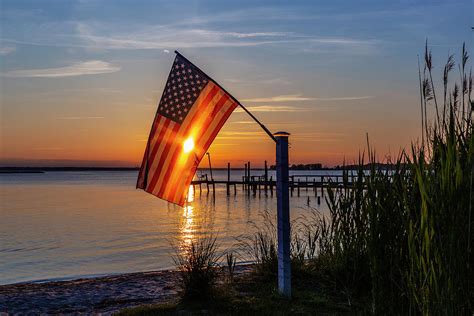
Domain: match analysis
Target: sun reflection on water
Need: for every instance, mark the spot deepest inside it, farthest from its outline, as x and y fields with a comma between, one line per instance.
x=188, y=229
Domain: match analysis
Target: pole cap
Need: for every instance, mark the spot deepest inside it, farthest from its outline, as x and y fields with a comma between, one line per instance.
x=281, y=134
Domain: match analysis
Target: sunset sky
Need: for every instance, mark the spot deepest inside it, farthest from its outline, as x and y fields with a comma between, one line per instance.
x=80, y=80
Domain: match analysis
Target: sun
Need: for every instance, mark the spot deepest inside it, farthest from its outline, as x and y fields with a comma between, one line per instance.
x=188, y=145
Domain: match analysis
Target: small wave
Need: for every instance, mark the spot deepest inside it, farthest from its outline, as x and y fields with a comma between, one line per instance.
x=7, y=250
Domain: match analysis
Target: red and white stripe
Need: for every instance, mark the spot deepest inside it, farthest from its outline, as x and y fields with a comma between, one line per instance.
x=170, y=169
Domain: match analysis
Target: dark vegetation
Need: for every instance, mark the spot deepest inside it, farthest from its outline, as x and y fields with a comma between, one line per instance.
x=319, y=166
x=197, y=263
x=396, y=241
x=311, y=166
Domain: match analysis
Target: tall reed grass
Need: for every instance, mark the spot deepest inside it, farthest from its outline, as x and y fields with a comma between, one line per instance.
x=439, y=219
x=398, y=239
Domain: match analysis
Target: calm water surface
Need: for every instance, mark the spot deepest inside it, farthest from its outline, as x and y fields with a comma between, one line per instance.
x=63, y=225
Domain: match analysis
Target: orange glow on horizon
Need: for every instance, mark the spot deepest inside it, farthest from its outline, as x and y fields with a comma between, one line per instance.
x=120, y=141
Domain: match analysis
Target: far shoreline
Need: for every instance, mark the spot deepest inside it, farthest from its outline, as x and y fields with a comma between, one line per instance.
x=12, y=170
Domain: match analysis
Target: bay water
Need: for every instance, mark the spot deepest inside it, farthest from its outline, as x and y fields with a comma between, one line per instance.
x=64, y=225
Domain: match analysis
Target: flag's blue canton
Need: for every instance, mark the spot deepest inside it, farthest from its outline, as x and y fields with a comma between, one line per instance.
x=183, y=87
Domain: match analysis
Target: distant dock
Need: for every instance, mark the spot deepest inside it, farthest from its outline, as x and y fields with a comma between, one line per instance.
x=266, y=185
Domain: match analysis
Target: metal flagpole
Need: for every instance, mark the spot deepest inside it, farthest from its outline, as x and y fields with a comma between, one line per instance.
x=283, y=210
x=283, y=200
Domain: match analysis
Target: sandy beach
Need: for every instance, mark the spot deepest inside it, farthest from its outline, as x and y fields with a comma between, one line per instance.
x=104, y=295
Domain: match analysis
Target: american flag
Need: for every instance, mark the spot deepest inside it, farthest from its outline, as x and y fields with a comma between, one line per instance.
x=192, y=110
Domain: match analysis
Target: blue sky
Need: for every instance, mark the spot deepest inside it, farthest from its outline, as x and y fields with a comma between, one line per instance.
x=80, y=79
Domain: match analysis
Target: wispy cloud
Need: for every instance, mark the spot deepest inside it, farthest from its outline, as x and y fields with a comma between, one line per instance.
x=162, y=37
x=217, y=144
x=189, y=32
x=240, y=135
x=275, y=81
x=243, y=122
x=299, y=97
x=6, y=50
x=270, y=81
x=47, y=148
x=279, y=98
x=300, y=136
x=253, y=34
x=271, y=108
x=257, y=134
x=92, y=67
x=102, y=36
x=80, y=118
x=345, y=98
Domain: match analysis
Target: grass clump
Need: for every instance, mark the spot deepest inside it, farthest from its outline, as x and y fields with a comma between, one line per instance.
x=197, y=263
x=231, y=262
x=261, y=246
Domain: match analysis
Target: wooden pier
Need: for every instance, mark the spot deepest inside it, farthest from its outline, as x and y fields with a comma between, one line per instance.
x=265, y=184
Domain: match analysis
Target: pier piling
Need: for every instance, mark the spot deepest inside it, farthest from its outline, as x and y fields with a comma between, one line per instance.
x=266, y=178
x=228, y=179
